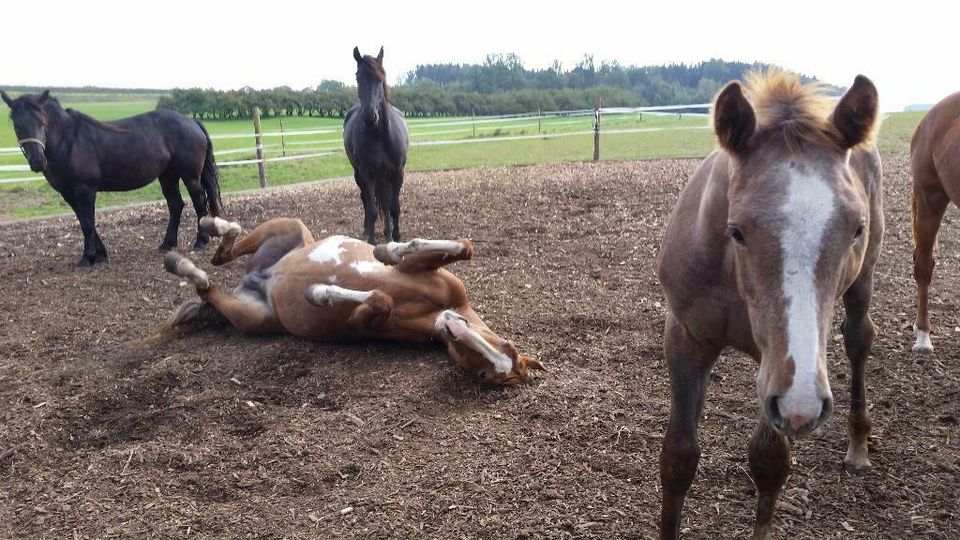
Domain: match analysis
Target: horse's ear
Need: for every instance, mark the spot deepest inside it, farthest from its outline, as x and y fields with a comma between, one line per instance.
x=44, y=96
x=6, y=99
x=380, y=56
x=531, y=363
x=855, y=116
x=356, y=55
x=734, y=120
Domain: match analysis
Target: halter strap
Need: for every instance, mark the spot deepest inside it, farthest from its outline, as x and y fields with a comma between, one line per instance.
x=35, y=141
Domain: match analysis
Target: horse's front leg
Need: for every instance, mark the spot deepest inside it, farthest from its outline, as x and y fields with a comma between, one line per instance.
x=689, y=364
x=83, y=201
x=858, y=334
x=373, y=310
x=170, y=187
x=769, y=467
x=368, y=198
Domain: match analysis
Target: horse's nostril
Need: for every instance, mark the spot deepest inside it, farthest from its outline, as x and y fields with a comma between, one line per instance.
x=772, y=408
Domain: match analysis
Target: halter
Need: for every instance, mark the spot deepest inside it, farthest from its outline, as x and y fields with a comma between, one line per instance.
x=43, y=147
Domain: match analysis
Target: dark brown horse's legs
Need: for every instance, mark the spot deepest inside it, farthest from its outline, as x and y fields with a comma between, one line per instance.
x=689, y=364
x=199, y=200
x=769, y=467
x=170, y=188
x=858, y=334
x=84, y=203
x=368, y=198
x=928, y=209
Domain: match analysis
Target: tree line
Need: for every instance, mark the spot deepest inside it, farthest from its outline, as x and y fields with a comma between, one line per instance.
x=500, y=85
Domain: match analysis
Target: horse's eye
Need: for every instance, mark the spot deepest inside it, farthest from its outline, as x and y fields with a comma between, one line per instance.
x=737, y=235
x=859, y=232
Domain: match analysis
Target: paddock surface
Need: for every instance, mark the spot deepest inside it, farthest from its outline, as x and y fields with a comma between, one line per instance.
x=220, y=435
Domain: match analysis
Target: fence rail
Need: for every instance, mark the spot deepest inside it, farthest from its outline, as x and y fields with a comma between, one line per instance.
x=318, y=150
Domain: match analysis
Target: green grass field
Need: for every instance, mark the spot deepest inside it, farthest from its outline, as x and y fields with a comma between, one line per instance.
x=552, y=140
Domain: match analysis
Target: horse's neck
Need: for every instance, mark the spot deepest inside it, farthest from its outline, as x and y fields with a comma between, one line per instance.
x=59, y=130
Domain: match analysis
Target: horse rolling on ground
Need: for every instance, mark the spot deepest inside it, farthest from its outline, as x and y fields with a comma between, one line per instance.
x=935, y=163
x=342, y=289
x=772, y=229
x=376, y=142
x=80, y=156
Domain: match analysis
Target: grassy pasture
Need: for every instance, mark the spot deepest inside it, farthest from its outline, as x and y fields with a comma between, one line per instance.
x=552, y=139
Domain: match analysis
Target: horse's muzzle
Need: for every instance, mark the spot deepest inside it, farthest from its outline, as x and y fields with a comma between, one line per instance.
x=797, y=424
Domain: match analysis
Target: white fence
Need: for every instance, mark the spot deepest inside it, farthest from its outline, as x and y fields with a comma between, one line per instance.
x=467, y=126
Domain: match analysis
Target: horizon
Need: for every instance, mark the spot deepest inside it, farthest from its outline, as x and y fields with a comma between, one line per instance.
x=235, y=50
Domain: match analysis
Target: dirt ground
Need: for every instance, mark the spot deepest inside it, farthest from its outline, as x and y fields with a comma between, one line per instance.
x=221, y=435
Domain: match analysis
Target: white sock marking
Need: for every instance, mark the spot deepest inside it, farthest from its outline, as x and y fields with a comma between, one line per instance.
x=397, y=250
x=807, y=209
x=327, y=295
x=923, y=344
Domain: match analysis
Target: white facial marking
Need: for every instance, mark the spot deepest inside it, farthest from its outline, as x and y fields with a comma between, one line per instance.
x=328, y=295
x=923, y=344
x=807, y=209
x=366, y=267
x=329, y=249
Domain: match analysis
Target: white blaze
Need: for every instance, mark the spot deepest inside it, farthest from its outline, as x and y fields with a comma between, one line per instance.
x=807, y=209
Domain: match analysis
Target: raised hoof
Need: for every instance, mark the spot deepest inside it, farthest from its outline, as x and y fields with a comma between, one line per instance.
x=214, y=226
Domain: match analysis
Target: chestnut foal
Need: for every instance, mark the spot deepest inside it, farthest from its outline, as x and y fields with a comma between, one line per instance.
x=342, y=289
x=772, y=229
x=935, y=163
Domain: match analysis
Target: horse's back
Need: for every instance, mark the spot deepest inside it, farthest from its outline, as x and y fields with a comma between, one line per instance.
x=935, y=146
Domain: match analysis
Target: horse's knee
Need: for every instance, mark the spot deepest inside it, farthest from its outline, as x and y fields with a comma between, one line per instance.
x=679, y=456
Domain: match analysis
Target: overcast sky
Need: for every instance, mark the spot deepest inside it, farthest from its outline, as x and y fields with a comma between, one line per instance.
x=909, y=49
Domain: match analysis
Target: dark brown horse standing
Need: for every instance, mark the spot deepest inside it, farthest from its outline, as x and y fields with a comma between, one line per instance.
x=80, y=156
x=773, y=228
x=376, y=141
x=935, y=163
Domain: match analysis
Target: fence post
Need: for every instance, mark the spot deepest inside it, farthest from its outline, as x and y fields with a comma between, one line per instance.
x=596, y=129
x=283, y=145
x=539, y=113
x=257, y=135
x=474, y=122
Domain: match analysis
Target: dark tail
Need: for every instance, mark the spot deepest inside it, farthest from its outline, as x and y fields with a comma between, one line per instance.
x=210, y=178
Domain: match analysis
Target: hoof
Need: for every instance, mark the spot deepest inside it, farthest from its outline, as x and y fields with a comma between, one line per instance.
x=857, y=469
x=923, y=345
x=215, y=226
x=165, y=247
x=200, y=245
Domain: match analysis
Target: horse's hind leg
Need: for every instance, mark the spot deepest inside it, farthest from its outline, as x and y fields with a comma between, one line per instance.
x=268, y=243
x=170, y=186
x=248, y=315
x=858, y=334
x=769, y=467
x=419, y=255
x=928, y=207
x=689, y=363
x=199, y=199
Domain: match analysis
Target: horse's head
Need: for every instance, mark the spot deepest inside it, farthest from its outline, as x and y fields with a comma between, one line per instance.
x=481, y=352
x=371, y=85
x=799, y=224
x=30, y=122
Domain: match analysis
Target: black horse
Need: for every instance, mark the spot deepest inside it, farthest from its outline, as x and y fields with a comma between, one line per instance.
x=376, y=142
x=80, y=156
